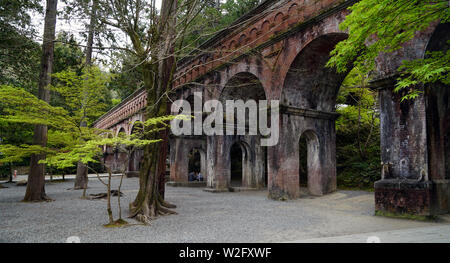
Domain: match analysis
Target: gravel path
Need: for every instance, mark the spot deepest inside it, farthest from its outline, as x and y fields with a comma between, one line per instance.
x=202, y=216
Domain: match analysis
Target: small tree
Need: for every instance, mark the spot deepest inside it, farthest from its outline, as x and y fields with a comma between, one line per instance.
x=68, y=143
x=84, y=97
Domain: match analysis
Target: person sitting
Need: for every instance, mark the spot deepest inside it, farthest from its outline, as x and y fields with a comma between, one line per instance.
x=199, y=177
x=191, y=177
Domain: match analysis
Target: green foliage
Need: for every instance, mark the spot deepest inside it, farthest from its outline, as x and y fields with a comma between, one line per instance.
x=357, y=133
x=68, y=55
x=383, y=26
x=428, y=70
x=214, y=18
x=19, y=54
x=128, y=77
x=20, y=106
x=84, y=94
x=67, y=142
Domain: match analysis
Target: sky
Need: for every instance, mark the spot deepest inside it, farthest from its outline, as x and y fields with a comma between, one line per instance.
x=74, y=26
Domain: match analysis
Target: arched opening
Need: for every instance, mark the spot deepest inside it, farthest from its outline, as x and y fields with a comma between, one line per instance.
x=246, y=87
x=119, y=163
x=438, y=112
x=196, y=165
x=136, y=155
x=108, y=153
x=303, y=164
x=237, y=158
x=121, y=130
x=309, y=96
x=309, y=165
x=247, y=160
x=309, y=84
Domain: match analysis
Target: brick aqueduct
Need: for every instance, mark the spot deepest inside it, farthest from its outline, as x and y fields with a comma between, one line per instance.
x=278, y=52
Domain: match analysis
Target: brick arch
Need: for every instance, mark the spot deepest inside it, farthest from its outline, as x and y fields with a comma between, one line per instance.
x=252, y=87
x=231, y=46
x=308, y=79
x=242, y=40
x=265, y=26
x=132, y=125
x=240, y=68
x=120, y=129
x=278, y=18
x=295, y=44
x=387, y=63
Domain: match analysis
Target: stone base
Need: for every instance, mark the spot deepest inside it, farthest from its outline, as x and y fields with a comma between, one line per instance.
x=130, y=174
x=441, y=197
x=404, y=197
x=242, y=189
x=214, y=190
x=186, y=184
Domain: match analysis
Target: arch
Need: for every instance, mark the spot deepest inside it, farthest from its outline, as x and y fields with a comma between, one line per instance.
x=246, y=87
x=243, y=85
x=242, y=40
x=108, y=149
x=265, y=27
x=136, y=126
x=121, y=129
x=307, y=78
x=197, y=161
x=253, y=34
x=232, y=45
x=437, y=96
x=309, y=174
x=278, y=18
x=293, y=9
x=239, y=166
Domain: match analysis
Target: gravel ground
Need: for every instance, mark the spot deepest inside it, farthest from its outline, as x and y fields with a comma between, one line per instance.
x=202, y=216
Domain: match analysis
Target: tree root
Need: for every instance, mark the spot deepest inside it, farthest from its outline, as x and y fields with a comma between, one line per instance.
x=43, y=198
x=118, y=223
x=166, y=204
x=146, y=213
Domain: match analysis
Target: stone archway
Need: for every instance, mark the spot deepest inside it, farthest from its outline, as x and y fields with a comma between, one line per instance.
x=134, y=162
x=307, y=108
x=246, y=87
x=197, y=161
x=310, y=176
x=438, y=125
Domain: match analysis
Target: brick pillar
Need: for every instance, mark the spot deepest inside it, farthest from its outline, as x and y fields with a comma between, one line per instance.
x=217, y=158
x=404, y=187
x=283, y=158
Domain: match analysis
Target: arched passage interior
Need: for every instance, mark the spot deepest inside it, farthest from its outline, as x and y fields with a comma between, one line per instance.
x=438, y=112
x=136, y=154
x=309, y=156
x=309, y=98
x=247, y=162
x=237, y=157
x=197, y=162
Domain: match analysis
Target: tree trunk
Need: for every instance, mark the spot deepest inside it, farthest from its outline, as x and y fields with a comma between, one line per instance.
x=81, y=179
x=36, y=178
x=90, y=40
x=149, y=202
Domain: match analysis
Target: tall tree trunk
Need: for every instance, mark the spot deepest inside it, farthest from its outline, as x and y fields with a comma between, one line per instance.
x=36, y=178
x=81, y=179
x=149, y=202
x=90, y=40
